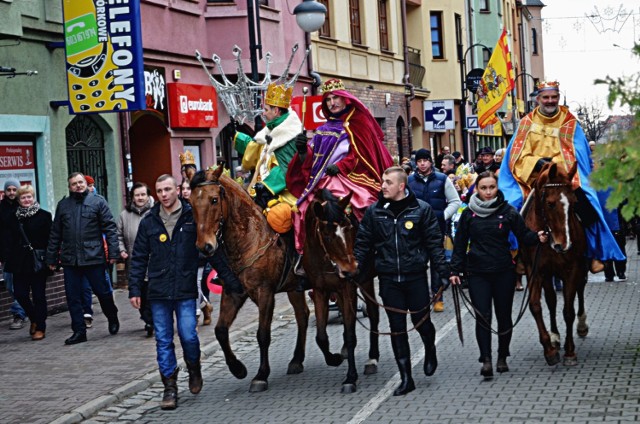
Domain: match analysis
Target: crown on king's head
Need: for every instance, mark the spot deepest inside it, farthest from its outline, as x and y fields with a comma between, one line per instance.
x=187, y=158
x=548, y=85
x=278, y=95
x=332, y=85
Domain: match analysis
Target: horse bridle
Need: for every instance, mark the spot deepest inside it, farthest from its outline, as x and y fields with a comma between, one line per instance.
x=543, y=194
x=213, y=201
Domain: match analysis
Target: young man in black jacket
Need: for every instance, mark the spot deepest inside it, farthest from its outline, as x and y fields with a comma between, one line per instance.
x=165, y=250
x=400, y=233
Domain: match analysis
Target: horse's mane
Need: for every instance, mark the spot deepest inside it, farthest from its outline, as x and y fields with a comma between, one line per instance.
x=197, y=179
x=332, y=211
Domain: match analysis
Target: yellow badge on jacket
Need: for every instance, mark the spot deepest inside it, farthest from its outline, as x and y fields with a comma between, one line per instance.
x=408, y=225
x=163, y=237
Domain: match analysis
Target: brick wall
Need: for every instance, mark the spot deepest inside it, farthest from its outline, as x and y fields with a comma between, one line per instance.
x=374, y=99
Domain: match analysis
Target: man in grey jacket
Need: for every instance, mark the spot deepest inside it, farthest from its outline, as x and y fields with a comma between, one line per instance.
x=76, y=241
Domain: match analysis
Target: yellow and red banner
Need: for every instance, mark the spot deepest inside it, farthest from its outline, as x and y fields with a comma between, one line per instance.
x=497, y=81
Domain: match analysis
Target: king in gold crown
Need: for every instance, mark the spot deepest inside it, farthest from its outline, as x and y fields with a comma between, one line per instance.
x=187, y=158
x=548, y=85
x=278, y=95
x=332, y=85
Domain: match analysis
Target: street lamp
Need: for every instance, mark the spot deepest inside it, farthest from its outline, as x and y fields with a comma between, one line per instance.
x=310, y=15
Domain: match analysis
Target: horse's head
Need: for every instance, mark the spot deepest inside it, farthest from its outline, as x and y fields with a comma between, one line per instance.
x=555, y=200
x=209, y=209
x=336, y=230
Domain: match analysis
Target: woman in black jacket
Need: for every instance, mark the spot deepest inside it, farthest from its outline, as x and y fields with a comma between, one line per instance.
x=36, y=224
x=482, y=252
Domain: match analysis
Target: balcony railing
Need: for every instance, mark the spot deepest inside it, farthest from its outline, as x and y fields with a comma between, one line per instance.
x=416, y=70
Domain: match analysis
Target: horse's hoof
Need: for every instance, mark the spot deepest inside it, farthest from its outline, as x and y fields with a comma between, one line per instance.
x=295, y=368
x=583, y=332
x=553, y=359
x=238, y=369
x=258, y=386
x=570, y=361
x=334, y=359
x=370, y=369
x=348, y=388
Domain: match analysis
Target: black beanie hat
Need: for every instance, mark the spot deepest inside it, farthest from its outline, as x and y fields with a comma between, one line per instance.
x=423, y=154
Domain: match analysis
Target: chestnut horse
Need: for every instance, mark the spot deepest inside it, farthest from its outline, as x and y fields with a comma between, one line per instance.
x=551, y=206
x=226, y=214
x=330, y=236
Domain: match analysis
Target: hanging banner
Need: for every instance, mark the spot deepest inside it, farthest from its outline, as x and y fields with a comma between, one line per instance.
x=103, y=45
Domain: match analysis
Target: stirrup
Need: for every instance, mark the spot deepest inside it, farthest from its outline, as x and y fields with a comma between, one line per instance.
x=298, y=268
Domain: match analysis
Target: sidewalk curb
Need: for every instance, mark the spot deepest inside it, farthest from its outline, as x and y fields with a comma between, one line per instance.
x=118, y=394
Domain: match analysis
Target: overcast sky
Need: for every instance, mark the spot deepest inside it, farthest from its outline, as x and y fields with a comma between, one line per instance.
x=579, y=49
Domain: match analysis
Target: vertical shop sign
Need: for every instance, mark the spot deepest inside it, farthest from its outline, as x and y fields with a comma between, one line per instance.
x=103, y=44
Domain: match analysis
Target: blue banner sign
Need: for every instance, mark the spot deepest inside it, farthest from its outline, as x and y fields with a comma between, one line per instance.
x=103, y=44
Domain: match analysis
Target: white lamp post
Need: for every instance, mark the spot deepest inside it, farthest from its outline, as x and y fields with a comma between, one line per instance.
x=310, y=15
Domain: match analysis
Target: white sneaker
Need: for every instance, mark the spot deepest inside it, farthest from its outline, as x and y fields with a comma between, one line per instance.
x=88, y=321
x=17, y=323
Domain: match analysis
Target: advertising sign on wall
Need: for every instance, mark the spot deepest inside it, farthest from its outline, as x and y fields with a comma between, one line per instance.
x=17, y=160
x=155, y=91
x=313, y=116
x=438, y=115
x=192, y=106
x=103, y=45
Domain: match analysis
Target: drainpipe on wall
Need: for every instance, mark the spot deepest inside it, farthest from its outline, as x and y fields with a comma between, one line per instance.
x=317, y=81
x=408, y=86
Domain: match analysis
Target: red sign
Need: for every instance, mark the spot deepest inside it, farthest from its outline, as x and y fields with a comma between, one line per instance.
x=313, y=116
x=17, y=161
x=192, y=106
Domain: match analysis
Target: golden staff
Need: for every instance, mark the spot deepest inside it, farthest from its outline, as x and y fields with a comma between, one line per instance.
x=305, y=90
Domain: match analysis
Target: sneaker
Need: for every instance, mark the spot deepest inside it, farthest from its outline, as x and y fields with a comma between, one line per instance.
x=88, y=320
x=17, y=323
x=622, y=277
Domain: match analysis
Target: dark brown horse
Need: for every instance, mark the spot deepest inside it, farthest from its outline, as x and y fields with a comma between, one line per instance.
x=225, y=213
x=328, y=259
x=551, y=206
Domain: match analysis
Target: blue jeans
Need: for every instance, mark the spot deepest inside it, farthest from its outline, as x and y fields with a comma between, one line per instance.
x=87, y=300
x=16, y=309
x=74, y=277
x=185, y=311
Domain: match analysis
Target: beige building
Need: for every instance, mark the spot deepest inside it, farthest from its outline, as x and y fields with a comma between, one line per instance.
x=361, y=43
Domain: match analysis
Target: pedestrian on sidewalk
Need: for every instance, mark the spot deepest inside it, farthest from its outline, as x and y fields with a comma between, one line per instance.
x=27, y=231
x=482, y=252
x=400, y=233
x=8, y=207
x=165, y=248
x=139, y=205
x=76, y=240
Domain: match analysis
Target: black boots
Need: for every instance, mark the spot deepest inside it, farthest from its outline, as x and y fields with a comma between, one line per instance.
x=487, y=369
x=406, y=384
x=195, y=376
x=501, y=365
x=170, y=395
x=402, y=353
x=430, y=357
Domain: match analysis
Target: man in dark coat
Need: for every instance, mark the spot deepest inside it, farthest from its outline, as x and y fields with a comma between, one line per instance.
x=165, y=250
x=400, y=234
x=76, y=242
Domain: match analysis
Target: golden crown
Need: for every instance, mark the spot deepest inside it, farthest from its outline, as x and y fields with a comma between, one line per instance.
x=187, y=158
x=278, y=95
x=548, y=85
x=332, y=85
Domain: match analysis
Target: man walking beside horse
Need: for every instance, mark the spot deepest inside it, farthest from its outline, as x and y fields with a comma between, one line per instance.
x=551, y=133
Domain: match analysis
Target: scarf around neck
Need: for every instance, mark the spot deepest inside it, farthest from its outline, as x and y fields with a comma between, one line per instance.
x=484, y=208
x=23, y=213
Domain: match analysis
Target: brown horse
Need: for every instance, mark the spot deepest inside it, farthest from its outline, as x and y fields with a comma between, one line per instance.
x=551, y=206
x=330, y=236
x=225, y=213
